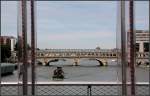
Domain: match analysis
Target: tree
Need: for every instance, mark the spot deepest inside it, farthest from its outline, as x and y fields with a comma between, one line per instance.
x=19, y=50
x=5, y=52
x=18, y=47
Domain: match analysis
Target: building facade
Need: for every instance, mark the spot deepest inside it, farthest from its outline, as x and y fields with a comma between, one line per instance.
x=141, y=43
x=141, y=40
x=8, y=40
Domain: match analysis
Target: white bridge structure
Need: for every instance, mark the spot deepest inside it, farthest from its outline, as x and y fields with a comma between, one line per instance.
x=44, y=56
x=102, y=55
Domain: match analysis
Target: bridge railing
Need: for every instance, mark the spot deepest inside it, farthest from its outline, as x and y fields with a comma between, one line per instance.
x=73, y=89
x=76, y=55
x=49, y=54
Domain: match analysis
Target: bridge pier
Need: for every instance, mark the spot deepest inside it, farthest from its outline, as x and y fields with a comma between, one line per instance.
x=44, y=62
x=76, y=62
x=105, y=63
x=142, y=62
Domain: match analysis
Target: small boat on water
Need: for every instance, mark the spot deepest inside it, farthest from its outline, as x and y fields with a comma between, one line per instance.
x=58, y=74
x=58, y=77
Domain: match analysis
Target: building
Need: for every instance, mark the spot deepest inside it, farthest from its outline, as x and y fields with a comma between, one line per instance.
x=141, y=39
x=142, y=44
x=8, y=40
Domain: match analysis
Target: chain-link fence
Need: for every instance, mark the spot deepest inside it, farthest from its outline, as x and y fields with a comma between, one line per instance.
x=72, y=89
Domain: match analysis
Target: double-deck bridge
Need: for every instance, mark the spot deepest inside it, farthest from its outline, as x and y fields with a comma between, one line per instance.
x=102, y=55
x=44, y=56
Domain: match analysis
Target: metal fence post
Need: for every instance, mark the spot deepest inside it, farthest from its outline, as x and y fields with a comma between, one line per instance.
x=123, y=49
x=149, y=49
x=132, y=46
x=33, y=47
x=89, y=92
x=24, y=35
x=0, y=55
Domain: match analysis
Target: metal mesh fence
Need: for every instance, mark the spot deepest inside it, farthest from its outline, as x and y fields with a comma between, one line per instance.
x=62, y=90
x=142, y=91
x=105, y=90
x=9, y=90
x=72, y=90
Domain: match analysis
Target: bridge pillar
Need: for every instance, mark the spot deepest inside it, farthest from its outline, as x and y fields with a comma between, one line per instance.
x=44, y=62
x=76, y=61
x=41, y=61
x=105, y=63
x=142, y=62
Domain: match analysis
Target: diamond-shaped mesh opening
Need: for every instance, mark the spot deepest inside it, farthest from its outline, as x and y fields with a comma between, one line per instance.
x=74, y=90
x=62, y=90
x=16, y=90
x=142, y=91
x=105, y=90
x=9, y=90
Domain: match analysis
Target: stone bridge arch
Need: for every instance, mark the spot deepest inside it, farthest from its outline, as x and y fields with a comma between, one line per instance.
x=142, y=62
x=43, y=61
x=102, y=62
x=76, y=61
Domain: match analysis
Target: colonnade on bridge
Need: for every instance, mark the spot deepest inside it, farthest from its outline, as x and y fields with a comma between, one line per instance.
x=102, y=56
x=76, y=54
x=45, y=56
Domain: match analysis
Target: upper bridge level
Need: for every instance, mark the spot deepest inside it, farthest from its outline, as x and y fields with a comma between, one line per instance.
x=77, y=53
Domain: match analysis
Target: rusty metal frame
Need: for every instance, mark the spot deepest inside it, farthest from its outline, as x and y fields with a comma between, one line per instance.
x=123, y=49
x=25, y=56
x=0, y=52
x=33, y=54
x=149, y=48
x=132, y=46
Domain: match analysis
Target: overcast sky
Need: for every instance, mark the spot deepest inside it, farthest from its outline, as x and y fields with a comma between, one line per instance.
x=73, y=24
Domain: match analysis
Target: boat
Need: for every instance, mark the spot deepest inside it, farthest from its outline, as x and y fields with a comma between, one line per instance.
x=58, y=74
x=55, y=77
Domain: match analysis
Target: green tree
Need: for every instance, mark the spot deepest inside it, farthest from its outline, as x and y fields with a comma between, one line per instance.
x=18, y=47
x=19, y=50
x=5, y=52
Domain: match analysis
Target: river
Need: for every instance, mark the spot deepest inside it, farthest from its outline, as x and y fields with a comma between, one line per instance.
x=88, y=70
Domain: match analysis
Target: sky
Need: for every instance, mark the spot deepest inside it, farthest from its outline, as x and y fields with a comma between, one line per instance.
x=73, y=24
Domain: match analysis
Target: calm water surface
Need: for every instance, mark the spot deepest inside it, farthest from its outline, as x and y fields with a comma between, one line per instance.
x=88, y=70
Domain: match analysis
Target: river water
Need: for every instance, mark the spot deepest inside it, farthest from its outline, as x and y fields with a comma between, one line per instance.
x=88, y=70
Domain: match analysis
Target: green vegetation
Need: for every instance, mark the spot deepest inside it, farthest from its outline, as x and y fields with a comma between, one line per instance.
x=5, y=52
x=19, y=46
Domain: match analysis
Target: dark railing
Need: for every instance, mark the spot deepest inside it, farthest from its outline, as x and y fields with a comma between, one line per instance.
x=73, y=89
